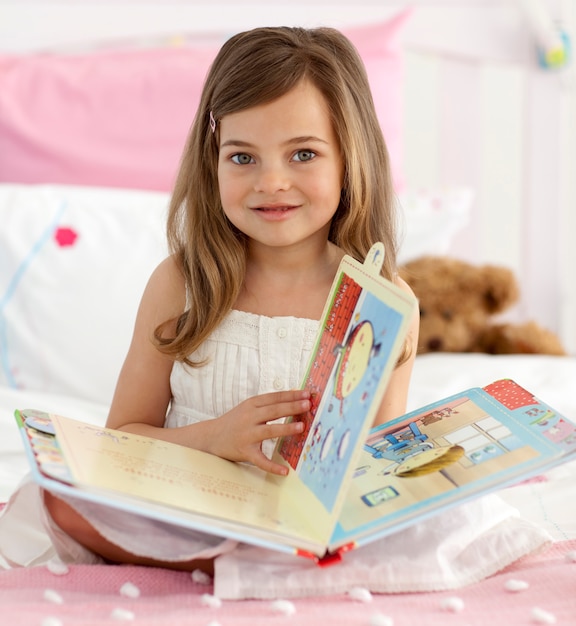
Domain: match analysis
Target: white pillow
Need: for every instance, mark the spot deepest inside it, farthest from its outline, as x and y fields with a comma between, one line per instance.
x=73, y=264
x=429, y=220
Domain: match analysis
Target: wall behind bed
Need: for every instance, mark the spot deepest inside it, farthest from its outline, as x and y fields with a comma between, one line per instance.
x=478, y=112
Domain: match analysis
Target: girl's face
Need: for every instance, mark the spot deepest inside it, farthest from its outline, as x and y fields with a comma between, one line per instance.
x=280, y=169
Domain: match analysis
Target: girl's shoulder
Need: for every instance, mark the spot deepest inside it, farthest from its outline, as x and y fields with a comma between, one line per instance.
x=168, y=269
x=165, y=292
x=400, y=282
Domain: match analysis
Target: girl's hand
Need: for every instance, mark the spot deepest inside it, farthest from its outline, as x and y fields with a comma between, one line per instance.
x=238, y=434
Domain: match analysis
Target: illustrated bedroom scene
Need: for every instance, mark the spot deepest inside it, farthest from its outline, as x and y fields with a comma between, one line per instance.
x=476, y=100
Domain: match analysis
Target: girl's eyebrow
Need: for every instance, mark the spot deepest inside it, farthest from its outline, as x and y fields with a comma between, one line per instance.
x=294, y=140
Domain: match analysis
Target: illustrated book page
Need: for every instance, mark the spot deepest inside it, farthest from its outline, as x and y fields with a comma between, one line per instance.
x=448, y=452
x=356, y=351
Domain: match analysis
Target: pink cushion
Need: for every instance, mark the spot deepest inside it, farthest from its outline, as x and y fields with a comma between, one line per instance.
x=119, y=118
x=378, y=46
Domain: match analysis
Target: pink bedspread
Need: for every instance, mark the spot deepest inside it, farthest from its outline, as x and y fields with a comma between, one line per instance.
x=91, y=595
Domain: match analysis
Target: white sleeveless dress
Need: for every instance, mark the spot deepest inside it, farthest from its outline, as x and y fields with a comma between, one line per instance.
x=247, y=355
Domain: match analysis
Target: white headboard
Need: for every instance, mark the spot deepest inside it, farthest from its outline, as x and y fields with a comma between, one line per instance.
x=478, y=111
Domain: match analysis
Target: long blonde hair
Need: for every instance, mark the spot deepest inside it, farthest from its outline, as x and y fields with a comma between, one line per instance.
x=253, y=68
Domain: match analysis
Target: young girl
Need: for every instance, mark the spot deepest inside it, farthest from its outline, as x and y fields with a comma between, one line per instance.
x=285, y=170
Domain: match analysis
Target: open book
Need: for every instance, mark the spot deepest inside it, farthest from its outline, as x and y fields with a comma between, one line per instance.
x=347, y=484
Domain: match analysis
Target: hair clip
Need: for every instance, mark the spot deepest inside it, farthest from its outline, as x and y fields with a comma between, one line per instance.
x=212, y=122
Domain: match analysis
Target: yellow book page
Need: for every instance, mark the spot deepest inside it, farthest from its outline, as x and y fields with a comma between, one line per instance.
x=189, y=480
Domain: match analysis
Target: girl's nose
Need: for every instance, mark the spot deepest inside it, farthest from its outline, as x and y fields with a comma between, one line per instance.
x=272, y=178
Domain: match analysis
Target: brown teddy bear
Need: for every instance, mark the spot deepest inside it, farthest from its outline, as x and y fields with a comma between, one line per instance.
x=457, y=301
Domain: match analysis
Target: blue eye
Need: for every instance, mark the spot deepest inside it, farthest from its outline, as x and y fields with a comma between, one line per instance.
x=304, y=155
x=242, y=158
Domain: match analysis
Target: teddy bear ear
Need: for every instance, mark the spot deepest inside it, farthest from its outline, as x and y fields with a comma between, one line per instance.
x=500, y=288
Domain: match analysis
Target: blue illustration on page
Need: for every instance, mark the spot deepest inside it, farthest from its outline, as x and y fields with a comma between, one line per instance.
x=354, y=379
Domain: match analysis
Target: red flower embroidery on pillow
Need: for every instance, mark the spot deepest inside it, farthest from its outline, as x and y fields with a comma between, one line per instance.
x=65, y=236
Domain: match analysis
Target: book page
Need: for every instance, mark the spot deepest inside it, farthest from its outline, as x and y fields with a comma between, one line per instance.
x=362, y=332
x=445, y=453
x=188, y=480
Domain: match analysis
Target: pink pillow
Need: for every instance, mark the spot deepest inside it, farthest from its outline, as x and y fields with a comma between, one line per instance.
x=108, y=118
x=379, y=49
x=119, y=118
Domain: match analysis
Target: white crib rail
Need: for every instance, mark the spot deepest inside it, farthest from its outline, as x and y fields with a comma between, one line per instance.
x=488, y=116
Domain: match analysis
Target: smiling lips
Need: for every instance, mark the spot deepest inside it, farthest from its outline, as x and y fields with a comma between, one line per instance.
x=275, y=210
x=275, y=207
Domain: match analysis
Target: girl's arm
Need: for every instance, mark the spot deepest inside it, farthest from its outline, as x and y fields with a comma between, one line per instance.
x=396, y=395
x=142, y=394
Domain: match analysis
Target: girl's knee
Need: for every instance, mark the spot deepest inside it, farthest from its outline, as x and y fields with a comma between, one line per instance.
x=68, y=520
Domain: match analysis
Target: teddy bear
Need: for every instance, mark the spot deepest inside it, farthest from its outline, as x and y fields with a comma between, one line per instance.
x=457, y=302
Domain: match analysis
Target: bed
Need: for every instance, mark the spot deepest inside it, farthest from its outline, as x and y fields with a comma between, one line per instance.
x=82, y=206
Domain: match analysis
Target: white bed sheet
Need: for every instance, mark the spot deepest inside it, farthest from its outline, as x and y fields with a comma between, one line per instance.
x=548, y=501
